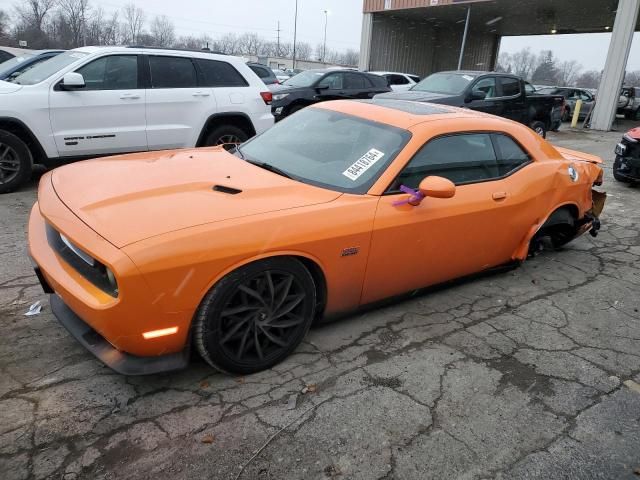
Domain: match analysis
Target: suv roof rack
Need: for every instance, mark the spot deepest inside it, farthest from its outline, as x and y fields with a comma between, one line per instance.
x=201, y=50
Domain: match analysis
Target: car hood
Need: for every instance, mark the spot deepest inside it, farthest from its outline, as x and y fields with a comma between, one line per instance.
x=8, y=87
x=413, y=95
x=128, y=198
x=634, y=133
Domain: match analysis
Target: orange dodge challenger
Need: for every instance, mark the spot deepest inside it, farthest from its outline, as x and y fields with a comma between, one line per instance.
x=343, y=204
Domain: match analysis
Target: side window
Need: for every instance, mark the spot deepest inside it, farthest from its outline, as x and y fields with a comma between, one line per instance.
x=487, y=86
x=398, y=80
x=510, y=87
x=353, y=81
x=172, y=72
x=220, y=74
x=4, y=56
x=261, y=72
x=414, y=78
x=528, y=88
x=509, y=154
x=333, y=81
x=586, y=96
x=114, y=72
x=462, y=158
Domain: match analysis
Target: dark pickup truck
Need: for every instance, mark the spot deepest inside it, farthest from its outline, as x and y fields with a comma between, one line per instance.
x=495, y=93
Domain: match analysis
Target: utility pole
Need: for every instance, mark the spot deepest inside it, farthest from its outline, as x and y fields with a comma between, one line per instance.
x=295, y=36
x=324, y=45
x=278, y=49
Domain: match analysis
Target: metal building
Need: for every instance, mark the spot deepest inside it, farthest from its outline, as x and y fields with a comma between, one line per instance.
x=426, y=36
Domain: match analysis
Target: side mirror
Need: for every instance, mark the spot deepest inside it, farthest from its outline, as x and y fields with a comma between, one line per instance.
x=476, y=95
x=437, y=187
x=319, y=88
x=72, y=81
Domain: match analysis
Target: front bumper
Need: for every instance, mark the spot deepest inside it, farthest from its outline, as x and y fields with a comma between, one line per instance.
x=115, y=359
x=627, y=168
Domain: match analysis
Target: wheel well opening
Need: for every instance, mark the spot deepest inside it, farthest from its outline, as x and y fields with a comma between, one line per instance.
x=561, y=226
x=320, y=282
x=239, y=121
x=23, y=133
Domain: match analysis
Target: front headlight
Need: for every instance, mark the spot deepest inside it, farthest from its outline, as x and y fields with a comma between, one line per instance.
x=280, y=96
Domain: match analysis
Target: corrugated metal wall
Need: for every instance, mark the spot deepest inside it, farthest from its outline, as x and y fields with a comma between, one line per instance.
x=401, y=44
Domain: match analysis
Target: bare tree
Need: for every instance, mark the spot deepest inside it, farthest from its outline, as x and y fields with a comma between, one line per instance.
x=589, y=79
x=133, y=21
x=523, y=63
x=632, y=79
x=568, y=72
x=163, y=31
x=4, y=24
x=75, y=14
x=304, y=51
x=249, y=44
x=350, y=57
x=34, y=12
x=228, y=43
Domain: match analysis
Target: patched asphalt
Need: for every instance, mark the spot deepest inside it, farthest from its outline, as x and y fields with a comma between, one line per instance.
x=526, y=374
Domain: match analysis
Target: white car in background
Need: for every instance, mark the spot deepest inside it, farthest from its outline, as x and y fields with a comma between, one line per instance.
x=281, y=75
x=399, y=82
x=98, y=101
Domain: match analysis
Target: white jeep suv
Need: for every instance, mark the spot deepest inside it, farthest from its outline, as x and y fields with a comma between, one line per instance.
x=96, y=101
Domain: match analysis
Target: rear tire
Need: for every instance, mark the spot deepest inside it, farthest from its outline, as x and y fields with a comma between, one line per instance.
x=540, y=128
x=15, y=162
x=256, y=316
x=227, y=136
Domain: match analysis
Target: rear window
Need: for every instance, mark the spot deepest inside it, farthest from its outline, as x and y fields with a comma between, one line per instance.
x=510, y=87
x=220, y=74
x=172, y=72
x=261, y=72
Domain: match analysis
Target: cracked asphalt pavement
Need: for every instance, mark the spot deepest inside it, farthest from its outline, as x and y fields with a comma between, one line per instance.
x=528, y=374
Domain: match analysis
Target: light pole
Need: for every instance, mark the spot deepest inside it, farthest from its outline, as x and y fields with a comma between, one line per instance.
x=324, y=45
x=295, y=36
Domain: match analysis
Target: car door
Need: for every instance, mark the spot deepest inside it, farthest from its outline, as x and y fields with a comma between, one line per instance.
x=176, y=104
x=357, y=86
x=441, y=239
x=331, y=87
x=587, y=102
x=513, y=99
x=106, y=116
x=489, y=87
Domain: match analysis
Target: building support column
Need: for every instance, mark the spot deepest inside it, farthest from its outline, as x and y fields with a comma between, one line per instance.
x=614, y=69
x=365, y=42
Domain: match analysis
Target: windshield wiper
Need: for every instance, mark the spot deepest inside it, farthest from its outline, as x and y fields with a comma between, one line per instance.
x=239, y=152
x=269, y=167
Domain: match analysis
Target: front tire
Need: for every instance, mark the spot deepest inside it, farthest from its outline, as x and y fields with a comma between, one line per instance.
x=227, y=136
x=256, y=316
x=15, y=162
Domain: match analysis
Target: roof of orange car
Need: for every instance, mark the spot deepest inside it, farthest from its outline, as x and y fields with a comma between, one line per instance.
x=398, y=113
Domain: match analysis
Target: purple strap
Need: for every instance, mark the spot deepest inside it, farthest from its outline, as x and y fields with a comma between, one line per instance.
x=415, y=198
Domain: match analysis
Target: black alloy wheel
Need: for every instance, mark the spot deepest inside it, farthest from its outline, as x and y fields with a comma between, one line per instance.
x=226, y=136
x=256, y=316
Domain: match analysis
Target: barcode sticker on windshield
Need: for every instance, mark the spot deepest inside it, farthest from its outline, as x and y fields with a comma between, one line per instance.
x=363, y=164
x=467, y=77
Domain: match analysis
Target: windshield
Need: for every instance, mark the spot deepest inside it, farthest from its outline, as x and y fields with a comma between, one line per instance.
x=446, y=83
x=359, y=150
x=304, y=79
x=44, y=70
x=10, y=64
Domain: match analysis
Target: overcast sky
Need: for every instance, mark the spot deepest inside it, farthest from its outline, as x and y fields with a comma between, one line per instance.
x=216, y=17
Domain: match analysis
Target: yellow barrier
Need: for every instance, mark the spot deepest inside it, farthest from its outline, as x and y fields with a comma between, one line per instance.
x=576, y=114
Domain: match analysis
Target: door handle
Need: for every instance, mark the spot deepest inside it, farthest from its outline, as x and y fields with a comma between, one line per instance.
x=497, y=196
x=201, y=94
x=129, y=96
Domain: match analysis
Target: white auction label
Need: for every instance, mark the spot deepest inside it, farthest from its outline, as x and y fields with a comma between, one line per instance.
x=363, y=164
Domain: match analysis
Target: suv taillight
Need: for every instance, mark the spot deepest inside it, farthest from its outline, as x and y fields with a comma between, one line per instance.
x=267, y=97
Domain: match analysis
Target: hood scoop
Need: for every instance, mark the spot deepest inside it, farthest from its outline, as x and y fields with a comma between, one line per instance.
x=227, y=190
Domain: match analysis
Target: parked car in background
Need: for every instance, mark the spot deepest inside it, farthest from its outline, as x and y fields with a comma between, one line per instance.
x=342, y=205
x=399, y=82
x=18, y=65
x=499, y=94
x=556, y=113
x=265, y=73
x=571, y=96
x=5, y=55
x=281, y=75
x=95, y=101
x=629, y=103
x=626, y=167
x=314, y=86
